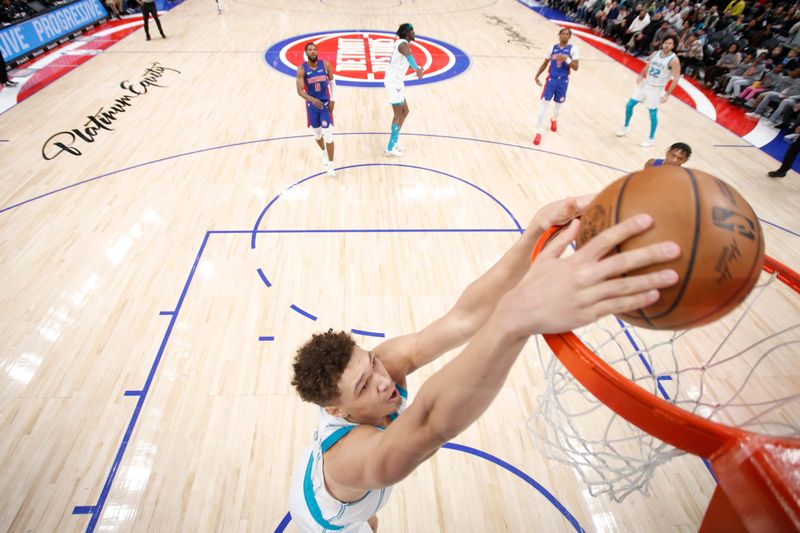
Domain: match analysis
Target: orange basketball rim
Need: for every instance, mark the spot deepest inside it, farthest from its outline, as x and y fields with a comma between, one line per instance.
x=758, y=476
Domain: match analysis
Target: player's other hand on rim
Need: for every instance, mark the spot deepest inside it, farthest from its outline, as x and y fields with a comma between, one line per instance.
x=558, y=294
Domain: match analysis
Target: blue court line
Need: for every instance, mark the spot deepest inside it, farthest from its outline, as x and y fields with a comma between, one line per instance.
x=520, y=474
x=659, y=379
x=787, y=230
x=166, y=313
x=266, y=338
x=362, y=165
x=304, y=313
x=263, y=277
x=132, y=393
x=366, y=230
x=502, y=464
x=367, y=333
x=734, y=146
x=146, y=163
x=97, y=509
x=305, y=136
x=284, y=523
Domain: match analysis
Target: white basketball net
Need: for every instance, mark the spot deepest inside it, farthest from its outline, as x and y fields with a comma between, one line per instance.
x=743, y=370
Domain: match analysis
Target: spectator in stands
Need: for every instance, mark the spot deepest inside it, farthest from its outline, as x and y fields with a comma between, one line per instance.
x=786, y=98
x=711, y=20
x=791, y=61
x=736, y=7
x=4, y=75
x=690, y=52
x=610, y=11
x=729, y=61
x=774, y=80
x=643, y=39
x=662, y=33
x=753, y=72
x=616, y=27
x=639, y=23
x=794, y=36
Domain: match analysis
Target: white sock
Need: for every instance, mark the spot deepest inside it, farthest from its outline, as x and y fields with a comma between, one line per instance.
x=542, y=113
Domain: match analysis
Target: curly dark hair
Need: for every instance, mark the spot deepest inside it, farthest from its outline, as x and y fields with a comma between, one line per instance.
x=319, y=364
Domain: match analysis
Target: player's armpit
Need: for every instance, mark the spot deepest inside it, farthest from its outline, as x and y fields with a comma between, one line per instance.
x=369, y=458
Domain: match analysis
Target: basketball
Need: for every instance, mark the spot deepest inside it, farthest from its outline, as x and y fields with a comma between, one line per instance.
x=722, y=245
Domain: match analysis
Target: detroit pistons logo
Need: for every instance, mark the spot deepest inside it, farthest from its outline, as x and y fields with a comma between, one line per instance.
x=360, y=57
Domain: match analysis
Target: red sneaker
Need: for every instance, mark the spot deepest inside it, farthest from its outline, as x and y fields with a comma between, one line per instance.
x=537, y=139
x=553, y=125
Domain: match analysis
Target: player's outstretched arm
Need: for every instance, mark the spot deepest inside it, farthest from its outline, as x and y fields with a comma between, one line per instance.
x=403, y=355
x=555, y=294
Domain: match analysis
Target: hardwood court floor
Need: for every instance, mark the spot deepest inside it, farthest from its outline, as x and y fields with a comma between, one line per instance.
x=146, y=336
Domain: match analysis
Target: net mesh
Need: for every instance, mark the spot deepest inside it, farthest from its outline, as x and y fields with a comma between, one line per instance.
x=742, y=370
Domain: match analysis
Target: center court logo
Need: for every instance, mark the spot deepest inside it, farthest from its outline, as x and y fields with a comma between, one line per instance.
x=359, y=57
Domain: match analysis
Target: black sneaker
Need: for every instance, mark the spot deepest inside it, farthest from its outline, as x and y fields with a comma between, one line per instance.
x=10, y=83
x=776, y=174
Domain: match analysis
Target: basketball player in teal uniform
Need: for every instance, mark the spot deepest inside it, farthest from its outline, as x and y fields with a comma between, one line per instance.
x=394, y=81
x=563, y=59
x=370, y=436
x=315, y=85
x=677, y=155
x=662, y=66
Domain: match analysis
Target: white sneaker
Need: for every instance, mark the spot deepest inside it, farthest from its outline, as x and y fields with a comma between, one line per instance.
x=647, y=143
x=399, y=147
x=791, y=136
x=331, y=171
x=623, y=132
x=752, y=115
x=394, y=152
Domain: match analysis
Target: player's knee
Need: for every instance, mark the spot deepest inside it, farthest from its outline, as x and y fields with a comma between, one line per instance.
x=327, y=134
x=631, y=103
x=318, y=133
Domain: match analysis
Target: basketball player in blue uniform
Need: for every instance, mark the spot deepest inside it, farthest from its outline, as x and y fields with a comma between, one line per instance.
x=563, y=59
x=661, y=67
x=315, y=85
x=677, y=154
x=369, y=436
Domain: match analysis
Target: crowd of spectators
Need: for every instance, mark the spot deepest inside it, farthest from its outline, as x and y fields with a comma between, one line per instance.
x=746, y=51
x=13, y=11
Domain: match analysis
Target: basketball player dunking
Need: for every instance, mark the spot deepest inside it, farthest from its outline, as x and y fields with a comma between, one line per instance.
x=370, y=436
x=315, y=85
x=394, y=81
x=563, y=59
x=662, y=66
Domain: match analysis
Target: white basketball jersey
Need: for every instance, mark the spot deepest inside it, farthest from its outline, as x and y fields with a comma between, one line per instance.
x=313, y=508
x=658, y=71
x=398, y=66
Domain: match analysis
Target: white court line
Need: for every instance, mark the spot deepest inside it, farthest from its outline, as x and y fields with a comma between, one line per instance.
x=762, y=134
